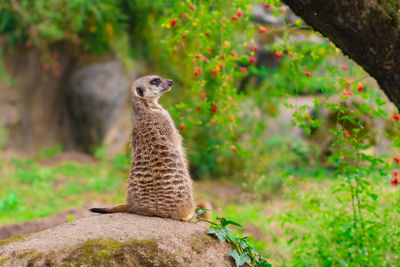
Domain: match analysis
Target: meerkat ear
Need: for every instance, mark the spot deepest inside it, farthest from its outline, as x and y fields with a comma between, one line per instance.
x=139, y=90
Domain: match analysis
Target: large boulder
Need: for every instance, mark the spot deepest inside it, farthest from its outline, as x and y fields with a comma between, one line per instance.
x=96, y=96
x=117, y=240
x=62, y=96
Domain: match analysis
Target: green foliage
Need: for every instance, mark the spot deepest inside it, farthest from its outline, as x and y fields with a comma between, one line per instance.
x=43, y=22
x=31, y=191
x=244, y=252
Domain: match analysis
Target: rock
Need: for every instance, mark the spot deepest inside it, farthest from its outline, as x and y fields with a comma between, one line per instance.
x=32, y=106
x=96, y=94
x=117, y=240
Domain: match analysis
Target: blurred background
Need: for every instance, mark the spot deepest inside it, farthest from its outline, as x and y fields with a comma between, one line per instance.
x=263, y=102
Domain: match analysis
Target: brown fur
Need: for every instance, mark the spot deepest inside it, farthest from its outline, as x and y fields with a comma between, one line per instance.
x=159, y=183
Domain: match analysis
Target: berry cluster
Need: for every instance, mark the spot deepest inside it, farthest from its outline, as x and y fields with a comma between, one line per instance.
x=395, y=180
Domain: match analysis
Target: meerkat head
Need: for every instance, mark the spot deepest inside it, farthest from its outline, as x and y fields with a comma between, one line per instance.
x=150, y=87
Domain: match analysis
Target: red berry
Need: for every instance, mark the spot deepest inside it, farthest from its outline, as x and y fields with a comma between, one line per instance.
x=192, y=7
x=282, y=10
x=185, y=15
x=308, y=73
x=396, y=159
x=213, y=122
x=214, y=72
x=203, y=96
x=196, y=73
x=197, y=56
x=290, y=54
x=234, y=18
x=347, y=93
x=181, y=127
x=229, y=78
x=230, y=98
x=214, y=108
x=262, y=30
x=233, y=53
x=184, y=36
x=240, y=13
x=183, y=45
x=344, y=67
x=248, y=46
x=220, y=66
x=267, y=6
x=396, y=116
x=346, y=133
x=395, y=173
x=222, y=57
x=209, y=50
x=394, y=181
x=255, y=48
x=252, y=60
x=243, y=69
x=173, y=22
x=192, y=62
x=277, y=55
x=204, y=58
x=234, y=149
x=360, y=88
x=304, y=68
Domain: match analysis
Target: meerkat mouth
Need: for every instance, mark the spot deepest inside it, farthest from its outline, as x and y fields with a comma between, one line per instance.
x=166, y=89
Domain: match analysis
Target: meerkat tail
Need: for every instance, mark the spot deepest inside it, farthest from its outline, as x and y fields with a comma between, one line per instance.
x=204, y=205
x=118, y=208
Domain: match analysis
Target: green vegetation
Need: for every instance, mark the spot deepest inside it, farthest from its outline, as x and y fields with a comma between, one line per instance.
x=31, y=191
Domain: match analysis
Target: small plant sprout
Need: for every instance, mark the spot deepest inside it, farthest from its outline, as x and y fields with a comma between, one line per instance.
x=244, y=252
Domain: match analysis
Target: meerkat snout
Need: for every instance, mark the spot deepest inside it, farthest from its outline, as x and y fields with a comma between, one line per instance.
x=170, y=82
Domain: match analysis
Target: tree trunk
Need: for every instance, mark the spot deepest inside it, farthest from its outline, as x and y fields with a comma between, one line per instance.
x=368, y=31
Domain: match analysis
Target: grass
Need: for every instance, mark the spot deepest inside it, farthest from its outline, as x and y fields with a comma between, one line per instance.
x=32, y=191
x=308, y=225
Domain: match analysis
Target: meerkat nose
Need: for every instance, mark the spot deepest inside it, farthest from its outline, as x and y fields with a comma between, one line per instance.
x=170, y=82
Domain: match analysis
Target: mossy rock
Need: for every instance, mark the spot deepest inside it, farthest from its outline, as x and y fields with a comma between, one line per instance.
x=118, y=240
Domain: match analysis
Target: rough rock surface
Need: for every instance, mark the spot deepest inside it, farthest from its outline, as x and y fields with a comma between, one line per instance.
x=96, y=94
x=31, y=105
x=117, y=240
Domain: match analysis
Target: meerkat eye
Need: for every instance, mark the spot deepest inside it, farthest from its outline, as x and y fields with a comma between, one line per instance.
x=139, y=90
x=155, y=81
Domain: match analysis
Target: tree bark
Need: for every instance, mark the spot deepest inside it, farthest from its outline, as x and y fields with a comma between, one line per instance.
x=368, y=31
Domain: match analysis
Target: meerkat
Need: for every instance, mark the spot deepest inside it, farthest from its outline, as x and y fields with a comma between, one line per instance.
x=159, y=183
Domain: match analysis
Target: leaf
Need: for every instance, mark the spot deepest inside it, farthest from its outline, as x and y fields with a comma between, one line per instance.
x=220, y=233
x=380, y=102
x=373, y=196
x=263, y=263
x=201, y=211
x=224, y=222
x=239, y=259
x=243, y=243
